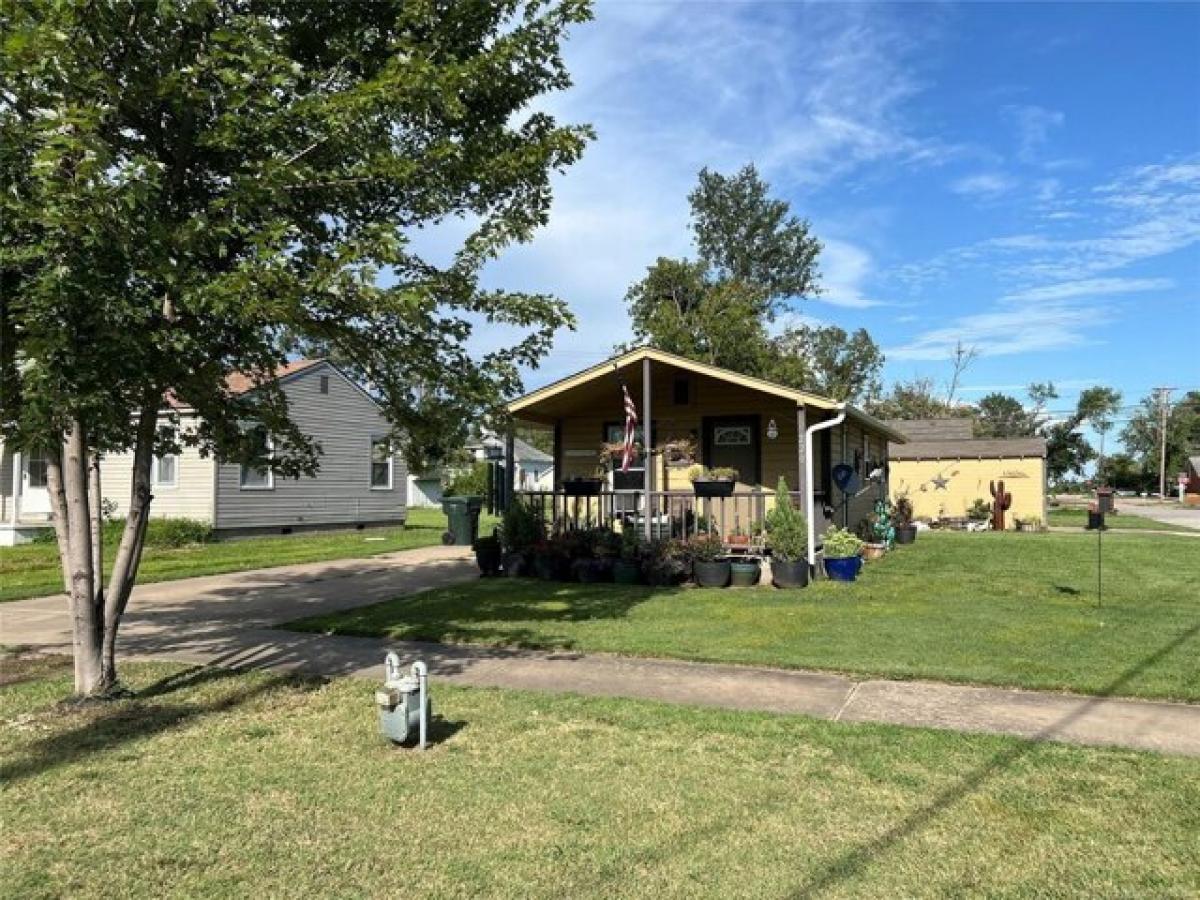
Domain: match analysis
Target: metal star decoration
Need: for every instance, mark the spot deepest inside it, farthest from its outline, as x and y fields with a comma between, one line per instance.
x=939, y=482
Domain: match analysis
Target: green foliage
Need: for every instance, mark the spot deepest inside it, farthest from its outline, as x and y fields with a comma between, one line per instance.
x=705, y=547
x=839, y=543
x=917, y=398
x=1001, y=416
x=719, y=473
x=787, y=529
x=631, y=544
x=1142, y=434
x=193, y=189
x=980, y=510
x=522, y=527
x=826, y=360
x=903, y=511
x=472, y=482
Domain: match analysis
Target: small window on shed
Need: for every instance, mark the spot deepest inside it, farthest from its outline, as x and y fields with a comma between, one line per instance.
x=324, y=384
x=682, y=392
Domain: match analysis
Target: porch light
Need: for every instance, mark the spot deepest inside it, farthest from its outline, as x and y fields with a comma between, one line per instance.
x=772, y=430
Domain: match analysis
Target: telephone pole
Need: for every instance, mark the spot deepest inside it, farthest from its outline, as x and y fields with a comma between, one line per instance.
x=1163, y=407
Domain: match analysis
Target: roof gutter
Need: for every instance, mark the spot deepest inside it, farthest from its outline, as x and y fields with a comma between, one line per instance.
x=808, y=478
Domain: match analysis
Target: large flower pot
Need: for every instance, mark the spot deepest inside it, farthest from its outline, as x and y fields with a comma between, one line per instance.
x=789, y=574
x=626, y=571
x=873, y=551
x=711, y=574
x=721, y=488
x=845, y=568
x=488, y=557
x=516, y=565
x=744, y=573
x=906, y=534
x=582, y=487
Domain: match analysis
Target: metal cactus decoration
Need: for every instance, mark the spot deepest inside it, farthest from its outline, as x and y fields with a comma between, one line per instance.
x=1001, y=500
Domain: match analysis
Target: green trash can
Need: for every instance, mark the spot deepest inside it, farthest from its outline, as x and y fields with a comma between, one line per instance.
x=462, y=519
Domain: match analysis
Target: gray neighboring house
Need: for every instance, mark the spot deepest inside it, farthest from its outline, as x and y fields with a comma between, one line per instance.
x=360, y=481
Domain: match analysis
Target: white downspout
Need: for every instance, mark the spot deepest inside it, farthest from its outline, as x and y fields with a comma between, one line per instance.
x=809, y=487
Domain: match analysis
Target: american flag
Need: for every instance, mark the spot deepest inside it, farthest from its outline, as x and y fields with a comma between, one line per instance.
x=629, y=451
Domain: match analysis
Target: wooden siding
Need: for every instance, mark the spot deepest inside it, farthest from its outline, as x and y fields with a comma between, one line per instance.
x=343, y=422
x=190, y=498
x=968, y=479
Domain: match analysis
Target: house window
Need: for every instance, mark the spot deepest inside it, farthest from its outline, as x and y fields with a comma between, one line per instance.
x=381, y=464
x=682, y=390
x=35, y=469
x=164, y=471
x=257, y=474
x=324, y=384
x=635, y=478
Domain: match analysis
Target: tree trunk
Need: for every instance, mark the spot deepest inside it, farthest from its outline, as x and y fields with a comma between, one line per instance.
x=133, y=538
x=87, y=623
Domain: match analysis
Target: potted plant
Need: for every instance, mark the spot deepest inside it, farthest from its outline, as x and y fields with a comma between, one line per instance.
x=708, y=567
x=521, y=530
x=679, y=452
x=1029, y=523
x=787, y=538
x=597, y=546
x=718, y=482
x=738, y=538
x=744, y=572
x=627, y=569
x=871, y=547
x=584, y=485
x=665, y=562
x=611, y=452
x=979, y=512
x=906, y=529
x=488, y=555
x=842, y=559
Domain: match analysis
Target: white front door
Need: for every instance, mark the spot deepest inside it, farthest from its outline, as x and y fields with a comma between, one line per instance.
x=35, y=498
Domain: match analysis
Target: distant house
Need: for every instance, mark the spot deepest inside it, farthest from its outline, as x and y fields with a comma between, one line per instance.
x=361, y=481
x=1193, y=476
x=943, y=470
x=534, y=469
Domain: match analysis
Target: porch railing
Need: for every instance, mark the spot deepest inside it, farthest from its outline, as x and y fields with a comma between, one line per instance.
x=739, y=519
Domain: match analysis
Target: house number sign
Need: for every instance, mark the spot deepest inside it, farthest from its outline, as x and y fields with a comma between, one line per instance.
x=732, y=436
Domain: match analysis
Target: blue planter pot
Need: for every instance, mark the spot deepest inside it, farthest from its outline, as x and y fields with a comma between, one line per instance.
x=844, y=569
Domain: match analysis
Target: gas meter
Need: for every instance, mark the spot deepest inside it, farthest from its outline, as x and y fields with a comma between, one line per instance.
x=403, y=702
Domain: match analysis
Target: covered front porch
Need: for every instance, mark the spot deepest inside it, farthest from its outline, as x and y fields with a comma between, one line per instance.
x=698, y=415
x=24, y=496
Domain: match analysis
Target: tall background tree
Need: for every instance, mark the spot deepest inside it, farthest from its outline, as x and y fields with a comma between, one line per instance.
x=1001, y=416
x=754, y=261
x=1143, y=432
x=190, y=188
x=1098, y=407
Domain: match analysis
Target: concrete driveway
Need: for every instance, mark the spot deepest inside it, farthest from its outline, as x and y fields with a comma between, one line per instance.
x=1170, y=513
x=228, y=620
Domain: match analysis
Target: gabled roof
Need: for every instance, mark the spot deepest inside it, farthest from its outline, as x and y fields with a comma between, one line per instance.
x=616, y=363
x=948, y=428
x=986, y=448
x=243, y=382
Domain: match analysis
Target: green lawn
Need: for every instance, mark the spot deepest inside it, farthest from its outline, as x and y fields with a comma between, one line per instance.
x=1077, y=518
x=994, y=608
x=32, y=570
x=215, y=784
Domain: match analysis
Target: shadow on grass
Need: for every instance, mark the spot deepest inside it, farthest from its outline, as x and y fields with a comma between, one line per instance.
x=452, y=616
x=852, y=862
x=102, y=726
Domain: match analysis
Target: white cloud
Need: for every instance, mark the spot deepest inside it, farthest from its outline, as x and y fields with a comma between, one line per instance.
x=1092, y=287
x=844, y=268
x=1033, y=125
x=985, y=185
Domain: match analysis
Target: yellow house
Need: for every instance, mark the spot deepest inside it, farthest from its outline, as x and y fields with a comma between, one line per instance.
x=761, y=429
x=944, y=476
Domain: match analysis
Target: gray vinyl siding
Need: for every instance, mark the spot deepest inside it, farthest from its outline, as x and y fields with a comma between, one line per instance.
x=343, y=423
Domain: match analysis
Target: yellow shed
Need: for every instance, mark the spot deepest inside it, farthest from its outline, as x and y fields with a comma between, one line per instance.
x=944, y=478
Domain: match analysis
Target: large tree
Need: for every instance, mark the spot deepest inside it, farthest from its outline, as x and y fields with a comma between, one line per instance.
x=1001, y=416
x=917, y=398
x=826, y=360
x=1098, y=407
x=1142, y=435
x=191, y=187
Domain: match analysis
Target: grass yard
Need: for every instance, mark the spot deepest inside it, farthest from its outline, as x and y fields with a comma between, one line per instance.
x=1077, y=518
x=993, y=608
x=214, y=784
x=32, y=570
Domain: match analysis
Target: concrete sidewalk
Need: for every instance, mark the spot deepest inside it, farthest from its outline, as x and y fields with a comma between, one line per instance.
x=226, y=620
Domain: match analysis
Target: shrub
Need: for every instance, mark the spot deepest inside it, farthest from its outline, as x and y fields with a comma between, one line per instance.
x=980, y=510
x=472, y=482
x=700, y=473
x=903, y=513
x=522, y=528
x=631, y=544
x=705, y=548
x=787, y=529
x=664, y=561
x=841, y=544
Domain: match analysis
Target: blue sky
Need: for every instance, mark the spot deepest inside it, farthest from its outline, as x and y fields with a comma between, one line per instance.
x=1023, y=177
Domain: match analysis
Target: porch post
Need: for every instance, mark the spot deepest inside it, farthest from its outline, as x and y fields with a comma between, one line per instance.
x=13, y=514
x=558, y=456
x=510, y=466
x=801, y=425
x=648, y=437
